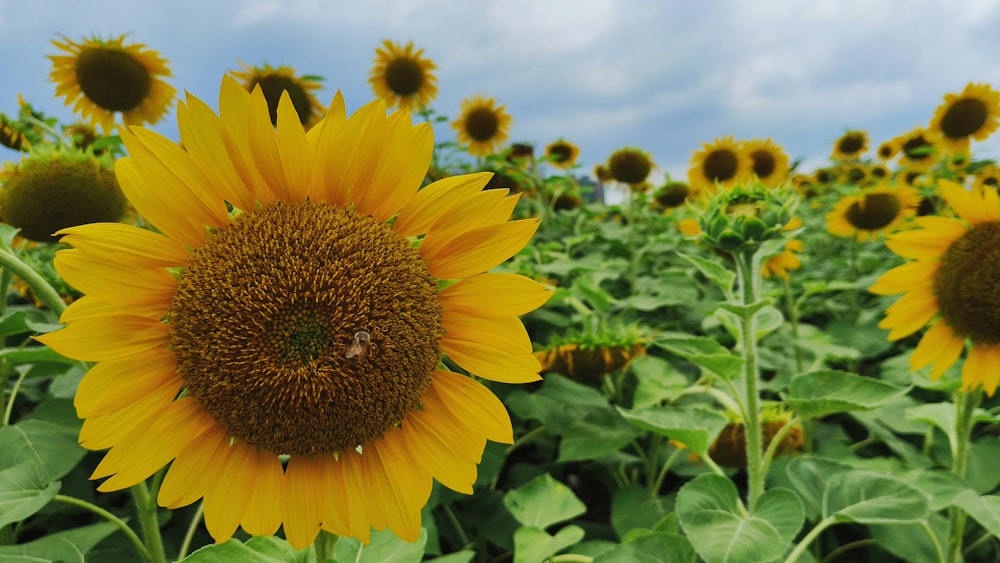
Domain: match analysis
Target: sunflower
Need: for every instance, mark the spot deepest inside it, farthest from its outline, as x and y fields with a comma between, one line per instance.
x=917, y=149
x=972, y=114
x=629, y=165
x=586, y=361
x=562, y=154
x=788, y=260
x=11, y=135
x=824, y=175
x=987, y=177
x=280, y=343
x=871, y=212
x=103, y=77
x=403, y=77
x=482, y=126
x=721, y=162
x=602, y=173
x=770, y=163
x=888, y=150
x=950, y=286
x=275, y=80
x=671, y=195
x=850, y=145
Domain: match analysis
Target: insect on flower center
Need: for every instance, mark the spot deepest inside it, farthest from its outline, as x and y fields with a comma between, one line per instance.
x=304, y=328
x=966, y=285
x=964, y=118
x=404, y=76
x=873, y=212
x=112, y=79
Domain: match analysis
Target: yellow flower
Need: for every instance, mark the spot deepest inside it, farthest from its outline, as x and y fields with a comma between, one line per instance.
x=987, y=177
x=280, y=344
x=562, y=154
x=720, y=162
x=482, y=126
x=629, y=166
x=918, y=150
x=275, y=80
x=850, y=145
x=888, y=149
x=972, y=114
x=949, y=285
x=671, y=195
x=402, y=76
x=770, y=163
x=787, y=260
x=871, y=212
x=103, y=77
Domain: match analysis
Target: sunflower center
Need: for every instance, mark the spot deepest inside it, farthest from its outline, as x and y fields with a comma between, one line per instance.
x=672, y=194
x=874, y=212
x=272, y=85
x=963, y=118
x=560, y=153
x=629, y=166
x=966, y=285
x=404, y=76
x=917, y=148
x=112, y=79
x=306, y=329
x=763, y=163
x=482, y=124
x=850, y=144
x=720, y=166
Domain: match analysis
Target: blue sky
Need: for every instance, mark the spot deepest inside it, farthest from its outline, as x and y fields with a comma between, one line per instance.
x=664, y=76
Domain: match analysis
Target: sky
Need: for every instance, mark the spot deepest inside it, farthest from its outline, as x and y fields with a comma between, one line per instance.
x=664, y=76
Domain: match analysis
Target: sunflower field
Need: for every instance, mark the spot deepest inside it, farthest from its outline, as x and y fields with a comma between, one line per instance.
x=293, y=333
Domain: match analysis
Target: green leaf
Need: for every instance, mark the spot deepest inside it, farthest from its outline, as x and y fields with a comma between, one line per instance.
x=819, y=393
x=633, y=507
x=24, y=487
x=782, y=508
x=463, y=556
x=263, y=549
x=56, y=446
x=702, y=351
x=808, y=474
x=695, y=427
x=651, y=547
x=868, y=497
x=942, y=415
x=910, y=541
x=722, y=531
x=656, y=381
x=711, y=269
x=534, y=545
x=384, y=546
x=984, y=509
x=595, y=434
x=33, y=355
x=43, y=550
x=542, y=502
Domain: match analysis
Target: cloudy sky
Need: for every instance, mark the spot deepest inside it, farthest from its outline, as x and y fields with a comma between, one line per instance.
x=661, y=75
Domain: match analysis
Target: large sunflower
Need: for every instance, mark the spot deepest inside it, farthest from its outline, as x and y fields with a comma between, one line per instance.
x=871, y=212
x=950, y=286
x=482, y=126
x=769, y=161
x=402, y=76
x=103, y=77
x=275, y=80
x=284, y=357
x=973, y=114
x=721, y=162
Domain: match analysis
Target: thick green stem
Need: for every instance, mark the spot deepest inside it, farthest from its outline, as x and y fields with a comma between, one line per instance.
x=803, y=544
x=124, y=527
x=749, y=279
x=145, y=506
x=39, y=287
x=965, y=407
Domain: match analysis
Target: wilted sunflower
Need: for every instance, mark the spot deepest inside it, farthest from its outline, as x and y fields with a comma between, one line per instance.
x=285, y=357
x=562, y=154
x=402, y=76
x=871, y=212
x=482, y=126
x=972, y=114
x=103, y=77
x=950, y=285
x=11, y=135
x=770, y=163
x=720, y=162
x=918, y=150
x=850, y=145
x=275, y=80
x=629, y=165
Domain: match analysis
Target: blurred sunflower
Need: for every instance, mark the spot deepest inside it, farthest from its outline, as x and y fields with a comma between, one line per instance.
x=871, y=212
x=888, y=150
x=720, y=162
x=770, y=163
x=917, y=149
x=103, y=77
x=285, y=358
x=987, y=177
x=602, y=173
x=824, y=175
x=971, y=115
x=482, y=126
x=588, y=361
x=275, y=80
x=879, y=172
x=11, y=135
x=856, y=173
x=403, y=77
x=949, y=285
x=629, y=165
x=805, y=185
x=671, y=195
x=788, y=260
x=562, y=154
x=850, y=145
x=522, y=154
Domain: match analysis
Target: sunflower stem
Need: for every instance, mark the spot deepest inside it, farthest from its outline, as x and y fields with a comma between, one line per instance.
x=146, y=508
x=965, y=407
x=121, y=524
x=749, y=284
x=189, y=535
x=793, y=323
x=13, y=395
x=40, y=288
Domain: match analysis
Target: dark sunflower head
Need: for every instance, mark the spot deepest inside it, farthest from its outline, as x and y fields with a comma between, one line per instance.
x=273, y=81
x=850, y=145
x=562, y=154
x=403, y=77
x=629, y=166
x=671, y=195
x=972, y=114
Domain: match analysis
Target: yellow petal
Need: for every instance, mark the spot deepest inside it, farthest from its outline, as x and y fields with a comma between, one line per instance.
x=355, y=153
x=358, y=519
x=107, y=338
x=939, y=346
x=453, y=469
x=195, y=468
x=138, y=286
x=495, y=295
x=115, y=384
x=974, y=208
x=396, y=180
x=261, y=518
x=334, y=498
x=906, y=277
x=399, y=508
x=484, y=208
x=301, y=511
x=438, y=200
x=919, y=244
x=93, y=306
x=496, y=349
x=982, y=367
x=228, y=496
x=109, y=429
x=264, y=145
x=480, y=249
x=910, y=313
x=117, y=243
x=173, y=221
x=234, y=110
x=474, y=405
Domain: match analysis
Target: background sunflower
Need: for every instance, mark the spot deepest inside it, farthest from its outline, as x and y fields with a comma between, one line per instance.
x=482, y=126
x=403, y=77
